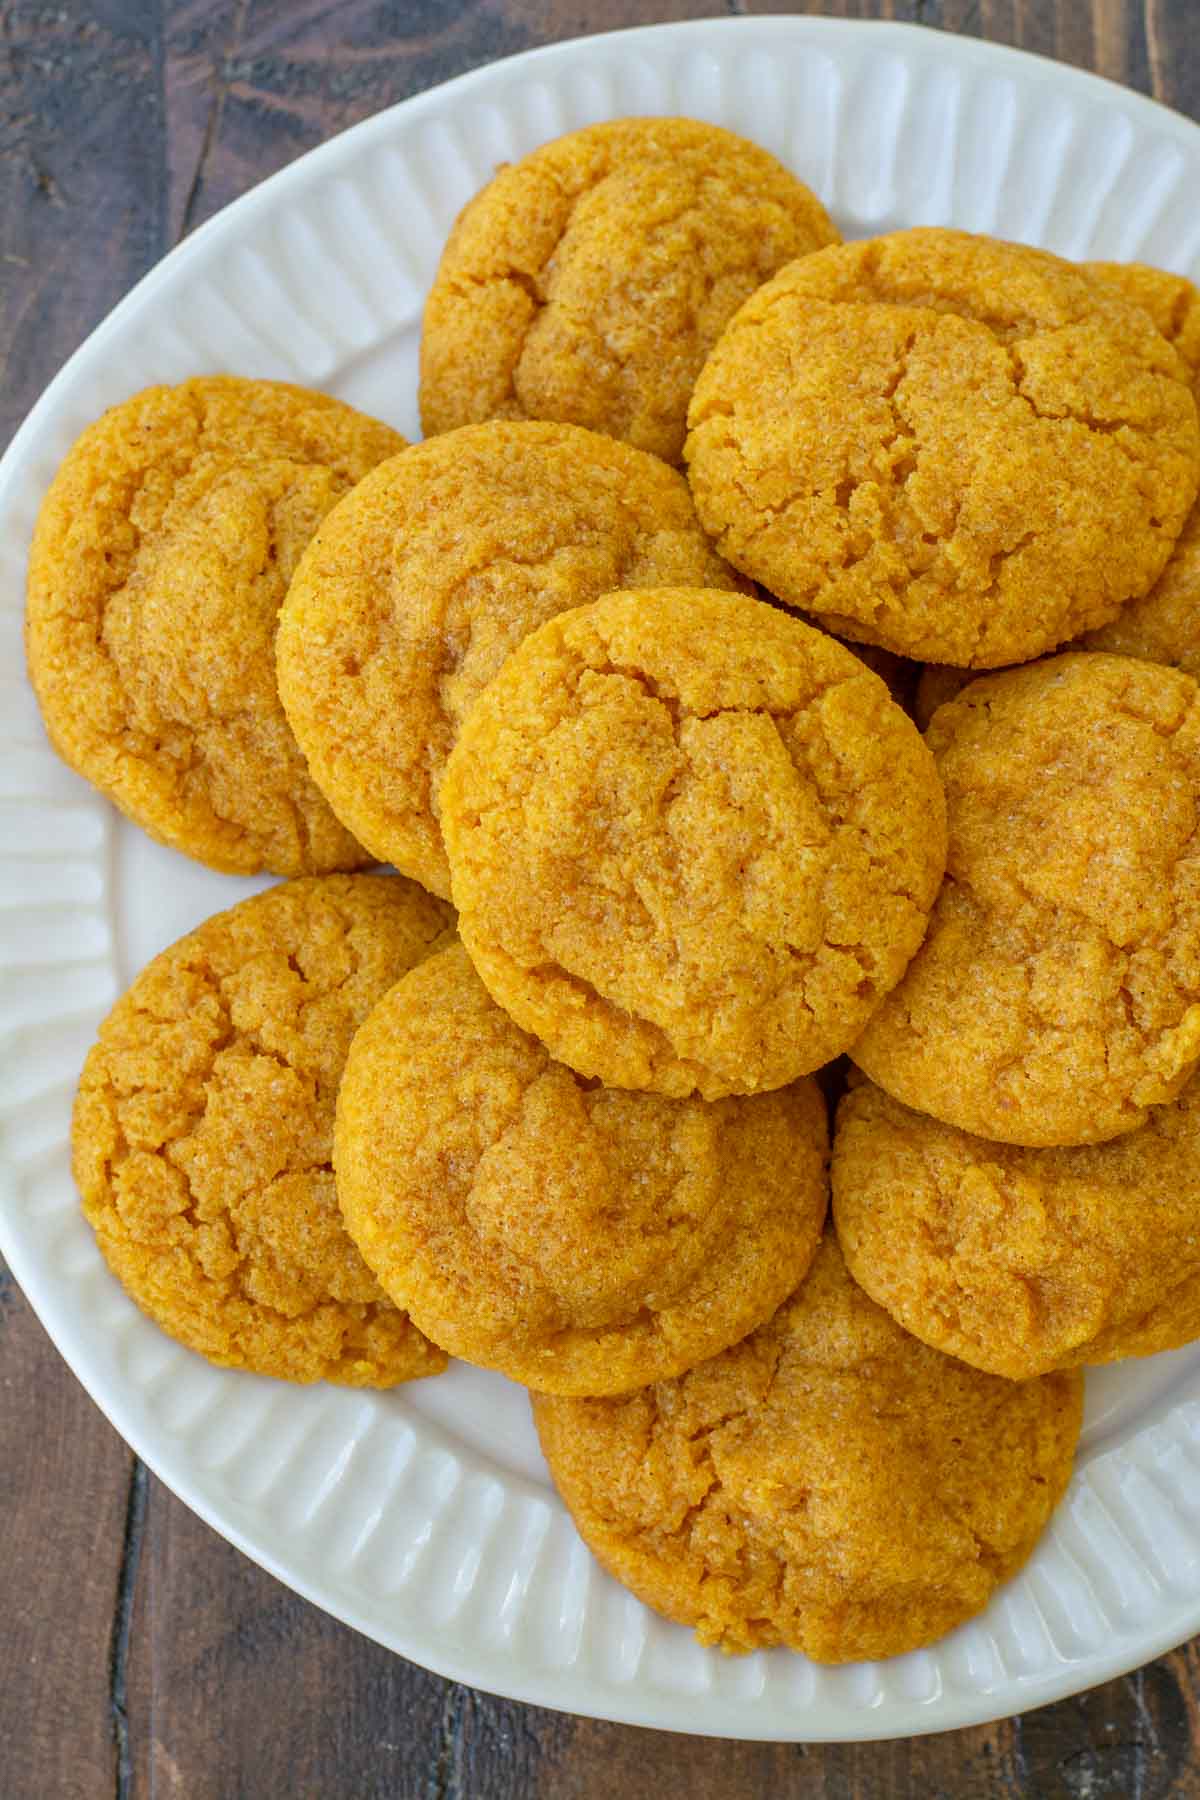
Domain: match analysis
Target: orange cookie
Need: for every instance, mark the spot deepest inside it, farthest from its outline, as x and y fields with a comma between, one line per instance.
x=417, y=587
x=580, y=1239
x=161, y=555
x=693, y=841
x=1057, y=994
x=203, y=1131
x=1163, y=626
x=589, y=281
x=1172, y=301
x=1021, y=1261
x=964, y=450
x=830, y=1483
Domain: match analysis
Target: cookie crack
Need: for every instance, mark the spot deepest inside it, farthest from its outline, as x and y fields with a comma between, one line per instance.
x=796, y=957
x=538, y=284
x=1121, y=431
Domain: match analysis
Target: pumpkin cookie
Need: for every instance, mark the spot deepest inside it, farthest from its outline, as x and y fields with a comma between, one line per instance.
x=1057, y=994
x=161, y=555
x=1172, y=301
x=1164, y=625
x=580, y=1239
x=589, y=281
x=829, y=1484
x=417, y=587
x=204, y=1128
x=900, y=675
x=693, y=841
x=1020, y=1261
x=967, y=451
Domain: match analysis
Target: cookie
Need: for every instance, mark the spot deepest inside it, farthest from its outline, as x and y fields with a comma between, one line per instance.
x=417, y=587
x=1021, y=1261
x=162, y=552
x=588, y=282
x=1057, y=994
x=693, y=841
x=1172, y=301
x=964, y=450
x=899, y=674
x=580, y=1239
x=829, y=1484
x=203, y=1132
x=1164, y=625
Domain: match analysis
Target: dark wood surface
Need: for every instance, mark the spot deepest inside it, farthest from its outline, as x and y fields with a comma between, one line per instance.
x=139, y=1654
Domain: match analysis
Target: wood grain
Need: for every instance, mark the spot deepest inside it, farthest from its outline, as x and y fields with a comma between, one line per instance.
x=81, y=196
x=141, y=1656
x=64, y=1482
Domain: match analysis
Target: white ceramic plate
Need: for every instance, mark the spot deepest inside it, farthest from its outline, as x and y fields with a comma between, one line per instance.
x=425, y=1517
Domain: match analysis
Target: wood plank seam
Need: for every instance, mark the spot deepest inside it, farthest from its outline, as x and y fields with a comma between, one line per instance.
x=119, y=1644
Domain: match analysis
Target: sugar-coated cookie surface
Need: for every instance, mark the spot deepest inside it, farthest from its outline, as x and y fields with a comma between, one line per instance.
x=1056, y=996
x=418, y=586
x=203, y=1131
x=1172, y=301
x=162, y=552
x=1164, y=625
x=829, y=1484
x=581, y=1239
x=693, y=841
x=965, y=450
x=589, y=281
x=1020, y=1261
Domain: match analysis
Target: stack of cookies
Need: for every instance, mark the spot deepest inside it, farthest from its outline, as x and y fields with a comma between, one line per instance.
x=554, y=1097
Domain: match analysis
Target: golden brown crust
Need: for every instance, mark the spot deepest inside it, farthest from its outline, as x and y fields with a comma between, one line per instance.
x=964, y=450
x=830, y=1483
x=577, y=1238
x=162, y=552
x=203, y=1131
x=693, y=841
x=588, y=282
x=417, y=587
x=1057, y=994
x=1164, y=625
x=1172, y=301
x=1020, y=1261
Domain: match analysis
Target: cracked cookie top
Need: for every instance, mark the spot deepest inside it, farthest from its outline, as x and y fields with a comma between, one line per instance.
x=693, y=841
x=1164, y=625
x=1057, y=994
x=203, y=1131
x=416, y=588
x=589, y=281
x=829, y=1484
x=1017, y=1260
x=580, y=1239
x=162, y=552
x=964, y=450
x=1172, y=301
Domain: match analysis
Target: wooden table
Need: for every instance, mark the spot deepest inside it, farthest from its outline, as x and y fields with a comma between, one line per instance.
x=139, y=1654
